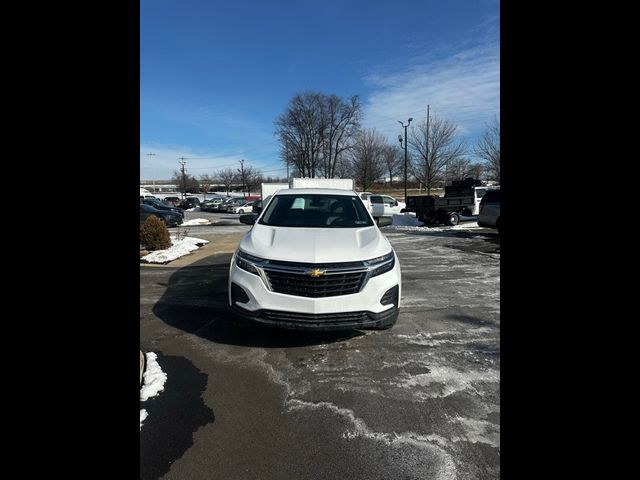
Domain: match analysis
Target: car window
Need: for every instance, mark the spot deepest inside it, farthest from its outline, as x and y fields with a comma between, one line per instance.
x=388, y=200
x=375, y=199
x=480, y=192
x=316, y=211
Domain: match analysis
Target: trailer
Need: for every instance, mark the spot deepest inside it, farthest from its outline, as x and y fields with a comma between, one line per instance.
x=339, y=183
x=269, y=189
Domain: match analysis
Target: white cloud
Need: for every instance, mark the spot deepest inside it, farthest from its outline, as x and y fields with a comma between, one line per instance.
x=461, y=85
x=166, y=157
x=199, y=162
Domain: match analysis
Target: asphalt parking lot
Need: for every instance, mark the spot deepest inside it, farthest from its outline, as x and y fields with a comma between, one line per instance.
x=419, y=401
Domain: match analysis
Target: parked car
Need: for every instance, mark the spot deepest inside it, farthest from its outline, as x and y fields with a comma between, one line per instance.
x=235, y=202
x=489, y=215
x=211, y=204
x=173, y=201
x=246, y=208
x=206, y=203
x=189, y=202
x=316, y=260
x=155, y=203
x=222, y=207
x=171, y=219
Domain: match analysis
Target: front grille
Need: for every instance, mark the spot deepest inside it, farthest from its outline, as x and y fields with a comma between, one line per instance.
x=330, y=285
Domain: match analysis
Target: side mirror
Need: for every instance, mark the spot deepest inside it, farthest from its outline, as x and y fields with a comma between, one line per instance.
x=249, y=218
x=384, y=221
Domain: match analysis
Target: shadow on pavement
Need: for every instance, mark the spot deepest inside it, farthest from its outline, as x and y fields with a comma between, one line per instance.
x=196, y=301
x=174, y=416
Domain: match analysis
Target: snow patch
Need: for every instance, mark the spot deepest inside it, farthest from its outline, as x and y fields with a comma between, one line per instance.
x=154, y=378
x=196, y=221
x=444, y=381
x=143, y=415
x=408, y=227
x=180, y=248
x=407, y=219
x=479, y=431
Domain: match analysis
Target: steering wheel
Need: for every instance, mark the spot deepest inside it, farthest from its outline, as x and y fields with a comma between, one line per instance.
x=339, y=221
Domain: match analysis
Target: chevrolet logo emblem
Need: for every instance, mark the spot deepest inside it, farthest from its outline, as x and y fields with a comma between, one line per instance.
x=315, y=272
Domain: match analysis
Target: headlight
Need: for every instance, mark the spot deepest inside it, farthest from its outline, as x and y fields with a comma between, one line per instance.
x=380, y=265
x=248, y=262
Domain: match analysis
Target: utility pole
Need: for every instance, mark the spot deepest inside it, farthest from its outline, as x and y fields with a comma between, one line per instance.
x=184, y=179
x=405, y=154
x=427, y=142
x=241, y=171
x=286, y=157
x=153, y=177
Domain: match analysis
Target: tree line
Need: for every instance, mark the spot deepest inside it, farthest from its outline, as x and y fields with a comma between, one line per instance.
x=246, y=177
x=321, y=135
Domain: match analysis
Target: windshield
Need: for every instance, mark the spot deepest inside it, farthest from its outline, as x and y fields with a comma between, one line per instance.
x=316, y=211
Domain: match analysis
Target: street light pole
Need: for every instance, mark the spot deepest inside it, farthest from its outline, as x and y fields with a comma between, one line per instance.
x=405, y=154
x=153, y=177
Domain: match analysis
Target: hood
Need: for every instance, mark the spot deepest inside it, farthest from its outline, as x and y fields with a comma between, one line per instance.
x=315, y=245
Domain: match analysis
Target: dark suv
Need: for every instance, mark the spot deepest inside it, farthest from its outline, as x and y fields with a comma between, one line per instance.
x=157, y=204
x=489, y=215
x=171, y=219
x=189, y=202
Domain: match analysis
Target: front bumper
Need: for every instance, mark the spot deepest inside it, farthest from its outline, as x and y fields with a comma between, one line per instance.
x=358, y=310
x=320, y=322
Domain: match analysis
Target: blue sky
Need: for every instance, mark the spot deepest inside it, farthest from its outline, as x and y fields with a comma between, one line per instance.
x=214, y=75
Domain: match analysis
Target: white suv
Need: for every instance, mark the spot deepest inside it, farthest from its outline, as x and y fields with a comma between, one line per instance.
x=315, y=259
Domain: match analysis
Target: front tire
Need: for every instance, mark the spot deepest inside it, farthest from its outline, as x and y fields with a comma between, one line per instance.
x=453, y=219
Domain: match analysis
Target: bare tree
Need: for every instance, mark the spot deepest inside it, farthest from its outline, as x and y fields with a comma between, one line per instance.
x=476, y=170
x=341, y=121
x=367, y=158
x=433, y=146
x=392, y=161
x=300, y=131
x=315, y=132
x=227, y=177
x=462, y=168
x=205, y=184
x=488, y=149
x=343, y=166
x=187, y=185
x=253, y=177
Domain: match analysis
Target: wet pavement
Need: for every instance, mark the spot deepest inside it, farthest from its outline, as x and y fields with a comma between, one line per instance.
x=421, y=400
